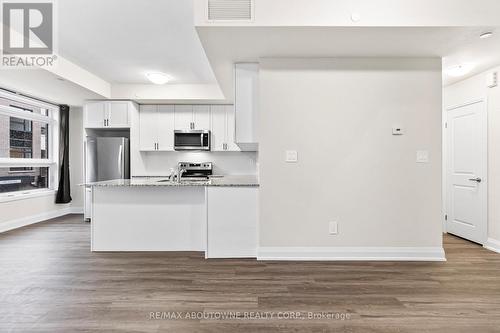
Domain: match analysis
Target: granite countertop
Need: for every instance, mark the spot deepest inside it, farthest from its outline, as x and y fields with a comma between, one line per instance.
x=164, y=181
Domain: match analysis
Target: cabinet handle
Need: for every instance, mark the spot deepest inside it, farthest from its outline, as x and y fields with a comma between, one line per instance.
x=104, y=122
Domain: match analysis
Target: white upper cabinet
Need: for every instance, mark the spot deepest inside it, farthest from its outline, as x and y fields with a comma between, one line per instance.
x=246, y=103
x=156, y=128
x=218, y=127
x=165, y=128
x=183, y=119
x=113, y=114
x=157, y=124
x=230, y=129
x=222, y=127
x=201, y=117
x=192, y=117
x=95, y=114
x=119, y=114
x=148, y=127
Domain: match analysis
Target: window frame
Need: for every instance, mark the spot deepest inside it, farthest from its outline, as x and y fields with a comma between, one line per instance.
x=52, y=162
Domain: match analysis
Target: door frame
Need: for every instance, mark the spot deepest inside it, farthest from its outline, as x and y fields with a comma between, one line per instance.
x=483, y=167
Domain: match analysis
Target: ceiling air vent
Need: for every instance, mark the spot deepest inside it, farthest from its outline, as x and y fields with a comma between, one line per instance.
x=230, y=10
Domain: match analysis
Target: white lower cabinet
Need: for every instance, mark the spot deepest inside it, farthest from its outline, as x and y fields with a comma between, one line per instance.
x=231, y=222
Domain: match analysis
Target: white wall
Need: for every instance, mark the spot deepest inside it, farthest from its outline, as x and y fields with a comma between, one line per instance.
x=472, y=89
x=338, y=114
x=26, y=211
x=225, y=163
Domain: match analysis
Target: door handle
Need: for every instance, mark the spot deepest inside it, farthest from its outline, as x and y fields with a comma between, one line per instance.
x=477, y=180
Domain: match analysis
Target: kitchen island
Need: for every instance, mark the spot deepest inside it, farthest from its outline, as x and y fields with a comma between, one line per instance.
x=217, y=216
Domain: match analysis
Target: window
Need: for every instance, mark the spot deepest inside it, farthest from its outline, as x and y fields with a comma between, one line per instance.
x=28, y=153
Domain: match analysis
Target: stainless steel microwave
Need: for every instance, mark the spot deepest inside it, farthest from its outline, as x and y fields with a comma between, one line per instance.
x=192, y=140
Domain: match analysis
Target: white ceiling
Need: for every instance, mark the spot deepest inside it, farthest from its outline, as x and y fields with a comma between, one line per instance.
x=226, y=45
x=121, y=40
x=45, y=85
x=484, y=53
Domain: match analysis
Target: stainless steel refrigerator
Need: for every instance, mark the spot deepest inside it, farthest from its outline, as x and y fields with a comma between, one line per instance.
x=106, y=158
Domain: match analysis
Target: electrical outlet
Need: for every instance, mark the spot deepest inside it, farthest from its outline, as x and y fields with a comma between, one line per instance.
x=333, y=228
x=422, y=156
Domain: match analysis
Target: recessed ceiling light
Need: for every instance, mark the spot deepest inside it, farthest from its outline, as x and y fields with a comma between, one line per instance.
x=158, y=78
x=460, y=70
x=485, y=35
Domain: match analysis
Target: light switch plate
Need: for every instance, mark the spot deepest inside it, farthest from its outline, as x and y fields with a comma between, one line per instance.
x=291, y=156
x=333, y=228
x=422, y=156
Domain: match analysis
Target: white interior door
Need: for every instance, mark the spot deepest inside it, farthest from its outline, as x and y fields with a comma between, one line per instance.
x=466, y=195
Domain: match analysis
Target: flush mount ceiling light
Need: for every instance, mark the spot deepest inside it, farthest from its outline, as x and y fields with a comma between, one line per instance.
x=460, y=70
x=485, y=35
x=158, y=78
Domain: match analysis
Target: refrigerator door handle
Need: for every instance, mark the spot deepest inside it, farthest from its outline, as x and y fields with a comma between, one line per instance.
x=120, y=162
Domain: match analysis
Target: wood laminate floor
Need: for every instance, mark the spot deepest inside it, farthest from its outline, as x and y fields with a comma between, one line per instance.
x=51, y=282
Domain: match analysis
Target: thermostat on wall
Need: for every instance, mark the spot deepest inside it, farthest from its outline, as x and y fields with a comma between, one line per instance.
x=397, y=130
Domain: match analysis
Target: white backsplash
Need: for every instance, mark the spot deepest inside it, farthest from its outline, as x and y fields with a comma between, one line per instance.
x=225, y=163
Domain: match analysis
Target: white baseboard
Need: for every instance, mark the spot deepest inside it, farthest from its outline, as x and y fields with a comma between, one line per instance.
x=22, y=222
x=492, y=245
x=352, y=253
x=75, y=210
